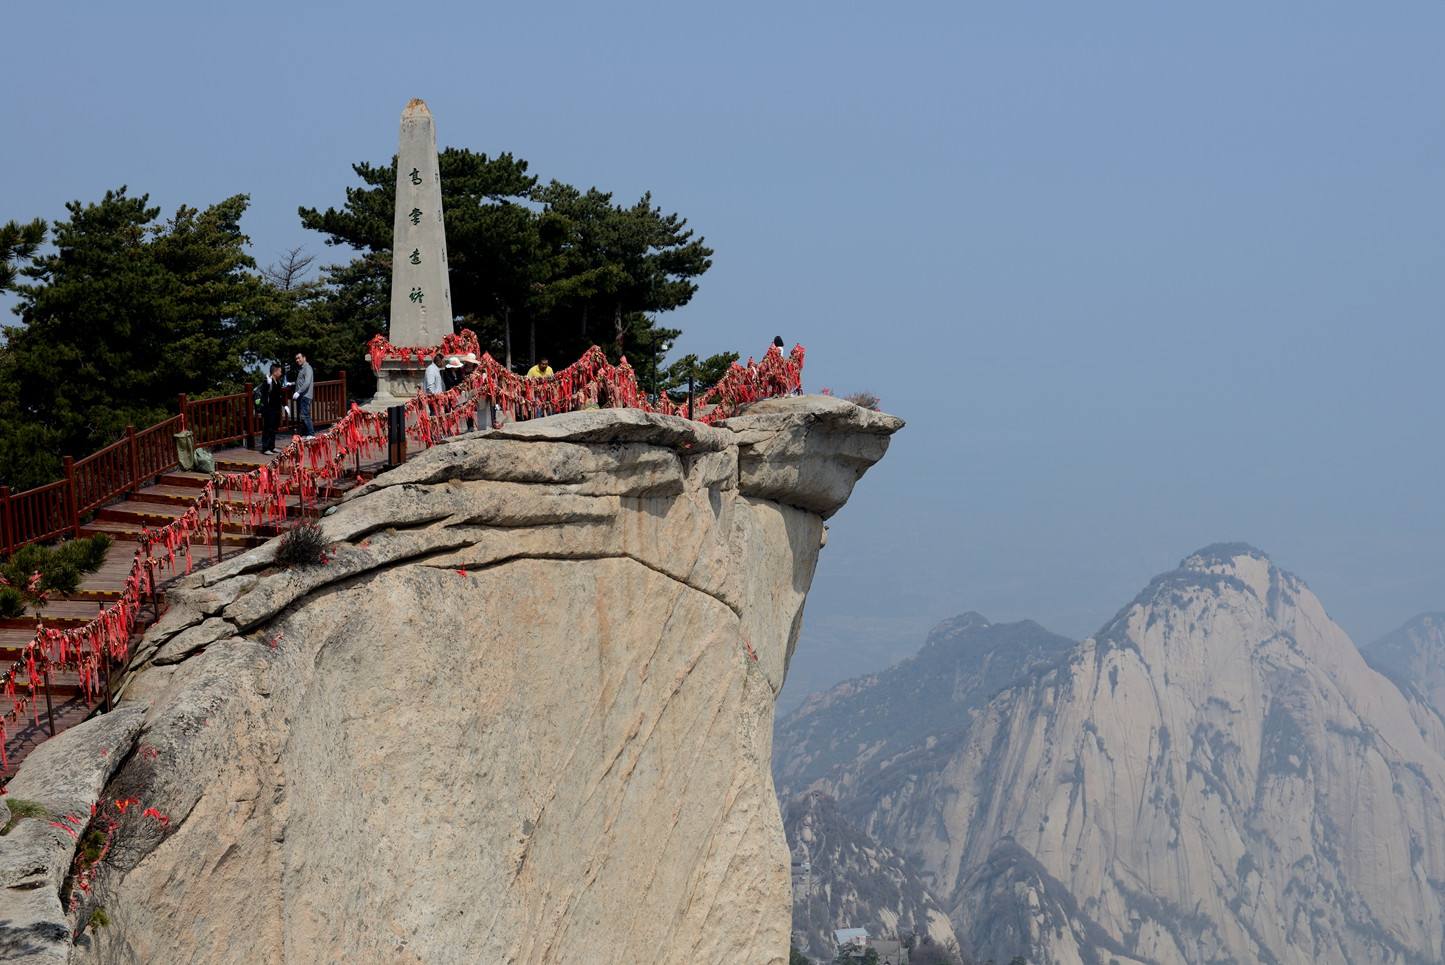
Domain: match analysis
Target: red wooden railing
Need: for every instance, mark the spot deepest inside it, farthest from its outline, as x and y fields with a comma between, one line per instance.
x=328, y=401
x=155, y=449
x=98, y=477
x=54, y=509
x=36, y=514
x=220, y=419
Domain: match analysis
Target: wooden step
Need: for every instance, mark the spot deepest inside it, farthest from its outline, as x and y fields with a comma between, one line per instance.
x=180, y=477
x=120, y=530
x=58, y=613
x=24, y=736
x=171, y=494
x=63, y=684
x=157, y=514
x=241, y=460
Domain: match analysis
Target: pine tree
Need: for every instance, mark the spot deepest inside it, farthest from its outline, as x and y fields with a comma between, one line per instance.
x=124, y=314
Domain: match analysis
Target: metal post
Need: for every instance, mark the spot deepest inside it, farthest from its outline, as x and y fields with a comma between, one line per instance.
x=7, y=521
x=105, y=655
x=218, y=529
x=74, y=496
x=45, y=678
x=134, y=458
x=185, y=413
x=145, y=554
x=395, y=436
x=345, y=402
x=690, y=392
x=250, y=419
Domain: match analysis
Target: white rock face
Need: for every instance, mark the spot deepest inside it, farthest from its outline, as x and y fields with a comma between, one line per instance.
x=523, y=715
x=1216, y=776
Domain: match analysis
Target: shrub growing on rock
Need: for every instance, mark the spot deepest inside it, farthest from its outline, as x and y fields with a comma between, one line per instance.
x=12, y=603
x=302, y=545
x=60, y=567
x=85, y=555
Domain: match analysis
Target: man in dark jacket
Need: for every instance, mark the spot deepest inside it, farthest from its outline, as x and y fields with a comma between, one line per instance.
x=272, y=397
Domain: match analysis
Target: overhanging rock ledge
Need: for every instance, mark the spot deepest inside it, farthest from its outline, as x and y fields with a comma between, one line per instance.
x=523, y=714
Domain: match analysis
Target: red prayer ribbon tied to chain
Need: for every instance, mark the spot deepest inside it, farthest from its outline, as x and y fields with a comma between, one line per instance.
x=592, y=380
x=459, y=344
x=307, y=469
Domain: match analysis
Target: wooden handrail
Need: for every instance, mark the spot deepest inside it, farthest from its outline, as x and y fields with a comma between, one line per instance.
x=134, y=458
x=45, y=512
x=71, y=496
x=7, y=522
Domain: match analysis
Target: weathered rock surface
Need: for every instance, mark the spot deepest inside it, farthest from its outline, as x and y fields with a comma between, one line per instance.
x=844, y=879
x=1216, y=776
x=66, y=779
x=524, y=714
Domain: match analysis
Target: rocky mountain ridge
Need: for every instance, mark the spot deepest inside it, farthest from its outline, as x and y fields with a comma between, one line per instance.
x=1217, y=775
x=847, y=734
x=1414, y=658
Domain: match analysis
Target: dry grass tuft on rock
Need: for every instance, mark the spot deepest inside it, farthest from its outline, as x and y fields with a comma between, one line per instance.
x=866, y=400
x=302, y=545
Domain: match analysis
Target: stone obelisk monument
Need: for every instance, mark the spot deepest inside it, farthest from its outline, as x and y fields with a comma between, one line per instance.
x=421, y=294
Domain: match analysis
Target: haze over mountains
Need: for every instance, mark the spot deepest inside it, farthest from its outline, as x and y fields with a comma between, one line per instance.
x=1219, y=774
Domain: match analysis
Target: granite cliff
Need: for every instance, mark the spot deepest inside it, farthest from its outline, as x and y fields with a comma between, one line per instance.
x=523, y=714
x=1217, y=775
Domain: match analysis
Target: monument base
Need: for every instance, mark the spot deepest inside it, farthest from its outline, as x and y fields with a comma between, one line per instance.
x=396, y=384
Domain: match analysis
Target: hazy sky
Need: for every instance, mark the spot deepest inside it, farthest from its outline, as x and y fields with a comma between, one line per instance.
x=1140, y=276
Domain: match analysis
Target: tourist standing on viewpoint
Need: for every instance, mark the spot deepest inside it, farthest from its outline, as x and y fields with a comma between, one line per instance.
x=452, y=374
x=304, y=388
x=432, y=382
x=542, y=370
x=273, y=396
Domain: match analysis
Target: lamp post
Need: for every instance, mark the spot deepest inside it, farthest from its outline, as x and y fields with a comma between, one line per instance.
x=660, y=347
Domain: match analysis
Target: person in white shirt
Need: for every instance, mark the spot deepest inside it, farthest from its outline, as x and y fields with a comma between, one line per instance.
x=431, y=382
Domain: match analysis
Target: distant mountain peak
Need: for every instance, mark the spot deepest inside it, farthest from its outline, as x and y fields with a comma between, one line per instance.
x=1216, y=554
x=1213, y=768
x=1210, y=577
x=1413, y=656
x=963, y=626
